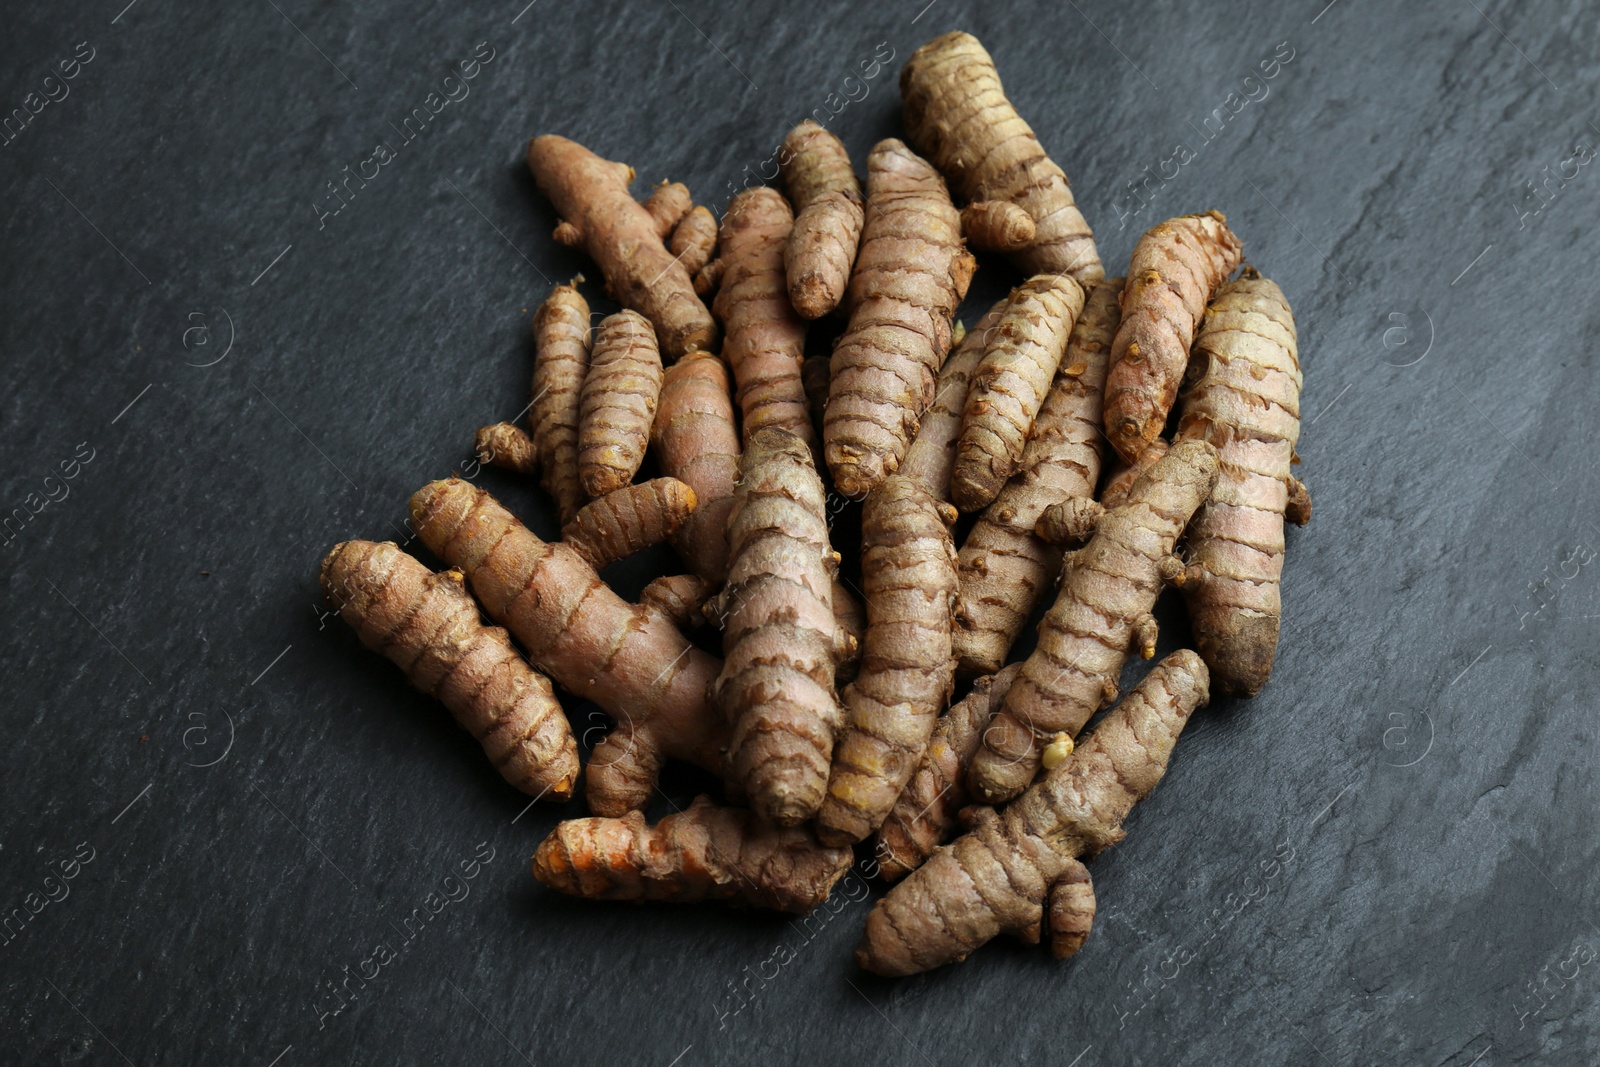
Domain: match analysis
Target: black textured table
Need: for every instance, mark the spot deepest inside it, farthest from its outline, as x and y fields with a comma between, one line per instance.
x=234, y=335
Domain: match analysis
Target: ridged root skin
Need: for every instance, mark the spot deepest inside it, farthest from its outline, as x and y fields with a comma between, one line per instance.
x=561, y=336
x=600, y=216
x=1006, y=570
x=696, y=440
x=631, y=661
x=1177, y=265
x=620, y=394
x=932, y=454
x=629, y=520
x=678, y=597
x=428, y=625
x=997, y=226
x=1000, y=877
x=957, y=115
x=1244, y=398
x=780, y=638
x=705, y=852
x=507, y=446
x=911, y=274
x=694, y=241
x=1108, y=588
x=908, y=566
x=1014, y=375
x=826, y=196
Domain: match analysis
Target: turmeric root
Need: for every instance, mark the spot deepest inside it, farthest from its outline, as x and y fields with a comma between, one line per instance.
x=1176, y=267
x=932, y=454
x=997, y=226
x=620, y=394
x=1075, y=518
x=624, y=238
x=852, y=619
x=628, y=520
x=908, y=567
x=428, y=625
x=765, y=343
x=703, y=853
x=631, y=661
x=828, y=218
x=911, y=274
x=1115, y=492
x=926, y=814
x=695, y=239
x=505, y=445
x=1244, y=399
x=1107, y=590
x=1006, y=569
x=780, y=638
x=1018, y=365
x=669, y=204
x=678, y=597
x=1000, y=877
x=697, y=442
x=957, y=115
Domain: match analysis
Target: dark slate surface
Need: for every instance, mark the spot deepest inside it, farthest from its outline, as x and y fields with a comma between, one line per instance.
x=1386, y=857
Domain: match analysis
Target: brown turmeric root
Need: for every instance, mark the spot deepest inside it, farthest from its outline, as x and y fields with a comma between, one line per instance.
x=505, y=445
x=669, y=204
x=1176, y=267
x=926, y=814
x=997, y=226
x=1005, y=569
x=695, y=240
x=957, y=114
x=911, y=274
x=703, y=853
x=697, y=441
x=765, y=343
x=428, y=624
x=629, y=660
x=780, y=637
x=1244, y=399
x=852, y=619
x=908, y=567
x=1019, y=363
x=678, y=597
x=828, y=218
x=624, y=238
x=620, y=394
x=932, y=454
x=1002, y=877
x=561, y=336
x=1103, y=608
x=628, y=520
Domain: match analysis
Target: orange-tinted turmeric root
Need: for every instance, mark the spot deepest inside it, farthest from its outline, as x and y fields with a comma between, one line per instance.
x=507, y=446
x=620, y=394
x=697, y=441
x=629, y=520
x=828, y=218
x=695, y=240
x=997, y=226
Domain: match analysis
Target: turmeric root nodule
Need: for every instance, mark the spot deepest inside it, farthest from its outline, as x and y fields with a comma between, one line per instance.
x=908, y=568
x=428, y=625
x=1006, y=569
x=508, y=446
x=1003, y=876
x=620, y=394
x=629, y=520
x=697, y=441
x=1019, y=363
x=1176, y=266
x=911, y=274
x=623, y=237
x=679, y=597
x=631, y=661
x=957, y=114
x=932, y=453
x=703, y=853
x=1244, y=399
x=780, y=637
x=561, y=340
x=828, y=218
x=997, y=226
x=765, y=342
x=1107, y=590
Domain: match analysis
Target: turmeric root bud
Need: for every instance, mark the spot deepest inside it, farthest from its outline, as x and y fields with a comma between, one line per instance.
x=997, y=226
x=507, y=446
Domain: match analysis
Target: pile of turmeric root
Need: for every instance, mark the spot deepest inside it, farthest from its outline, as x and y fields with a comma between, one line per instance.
x=830, y=715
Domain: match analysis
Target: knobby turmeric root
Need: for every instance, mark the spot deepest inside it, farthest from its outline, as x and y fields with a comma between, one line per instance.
x=1244, y=399
x=1176, y=267
x=908, y=567
x=1019, y=363
x=629, y=660
x=1107, y=590
x=766, y=340
x=780, y=638
x=678, y=597
x=620, y=393
x=507, y=446
x=957, y=114
x=997, y=226
x=1006, y=569
x=697, y=442
x=926, y=814
x=703, y=853
x=911, y=274
x=429, y=626
x=1001, y=877
x=828, y=218
x=629, y=520
x=561, y=336
x=624, y=238
x=695, y=240
x=932, y=454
